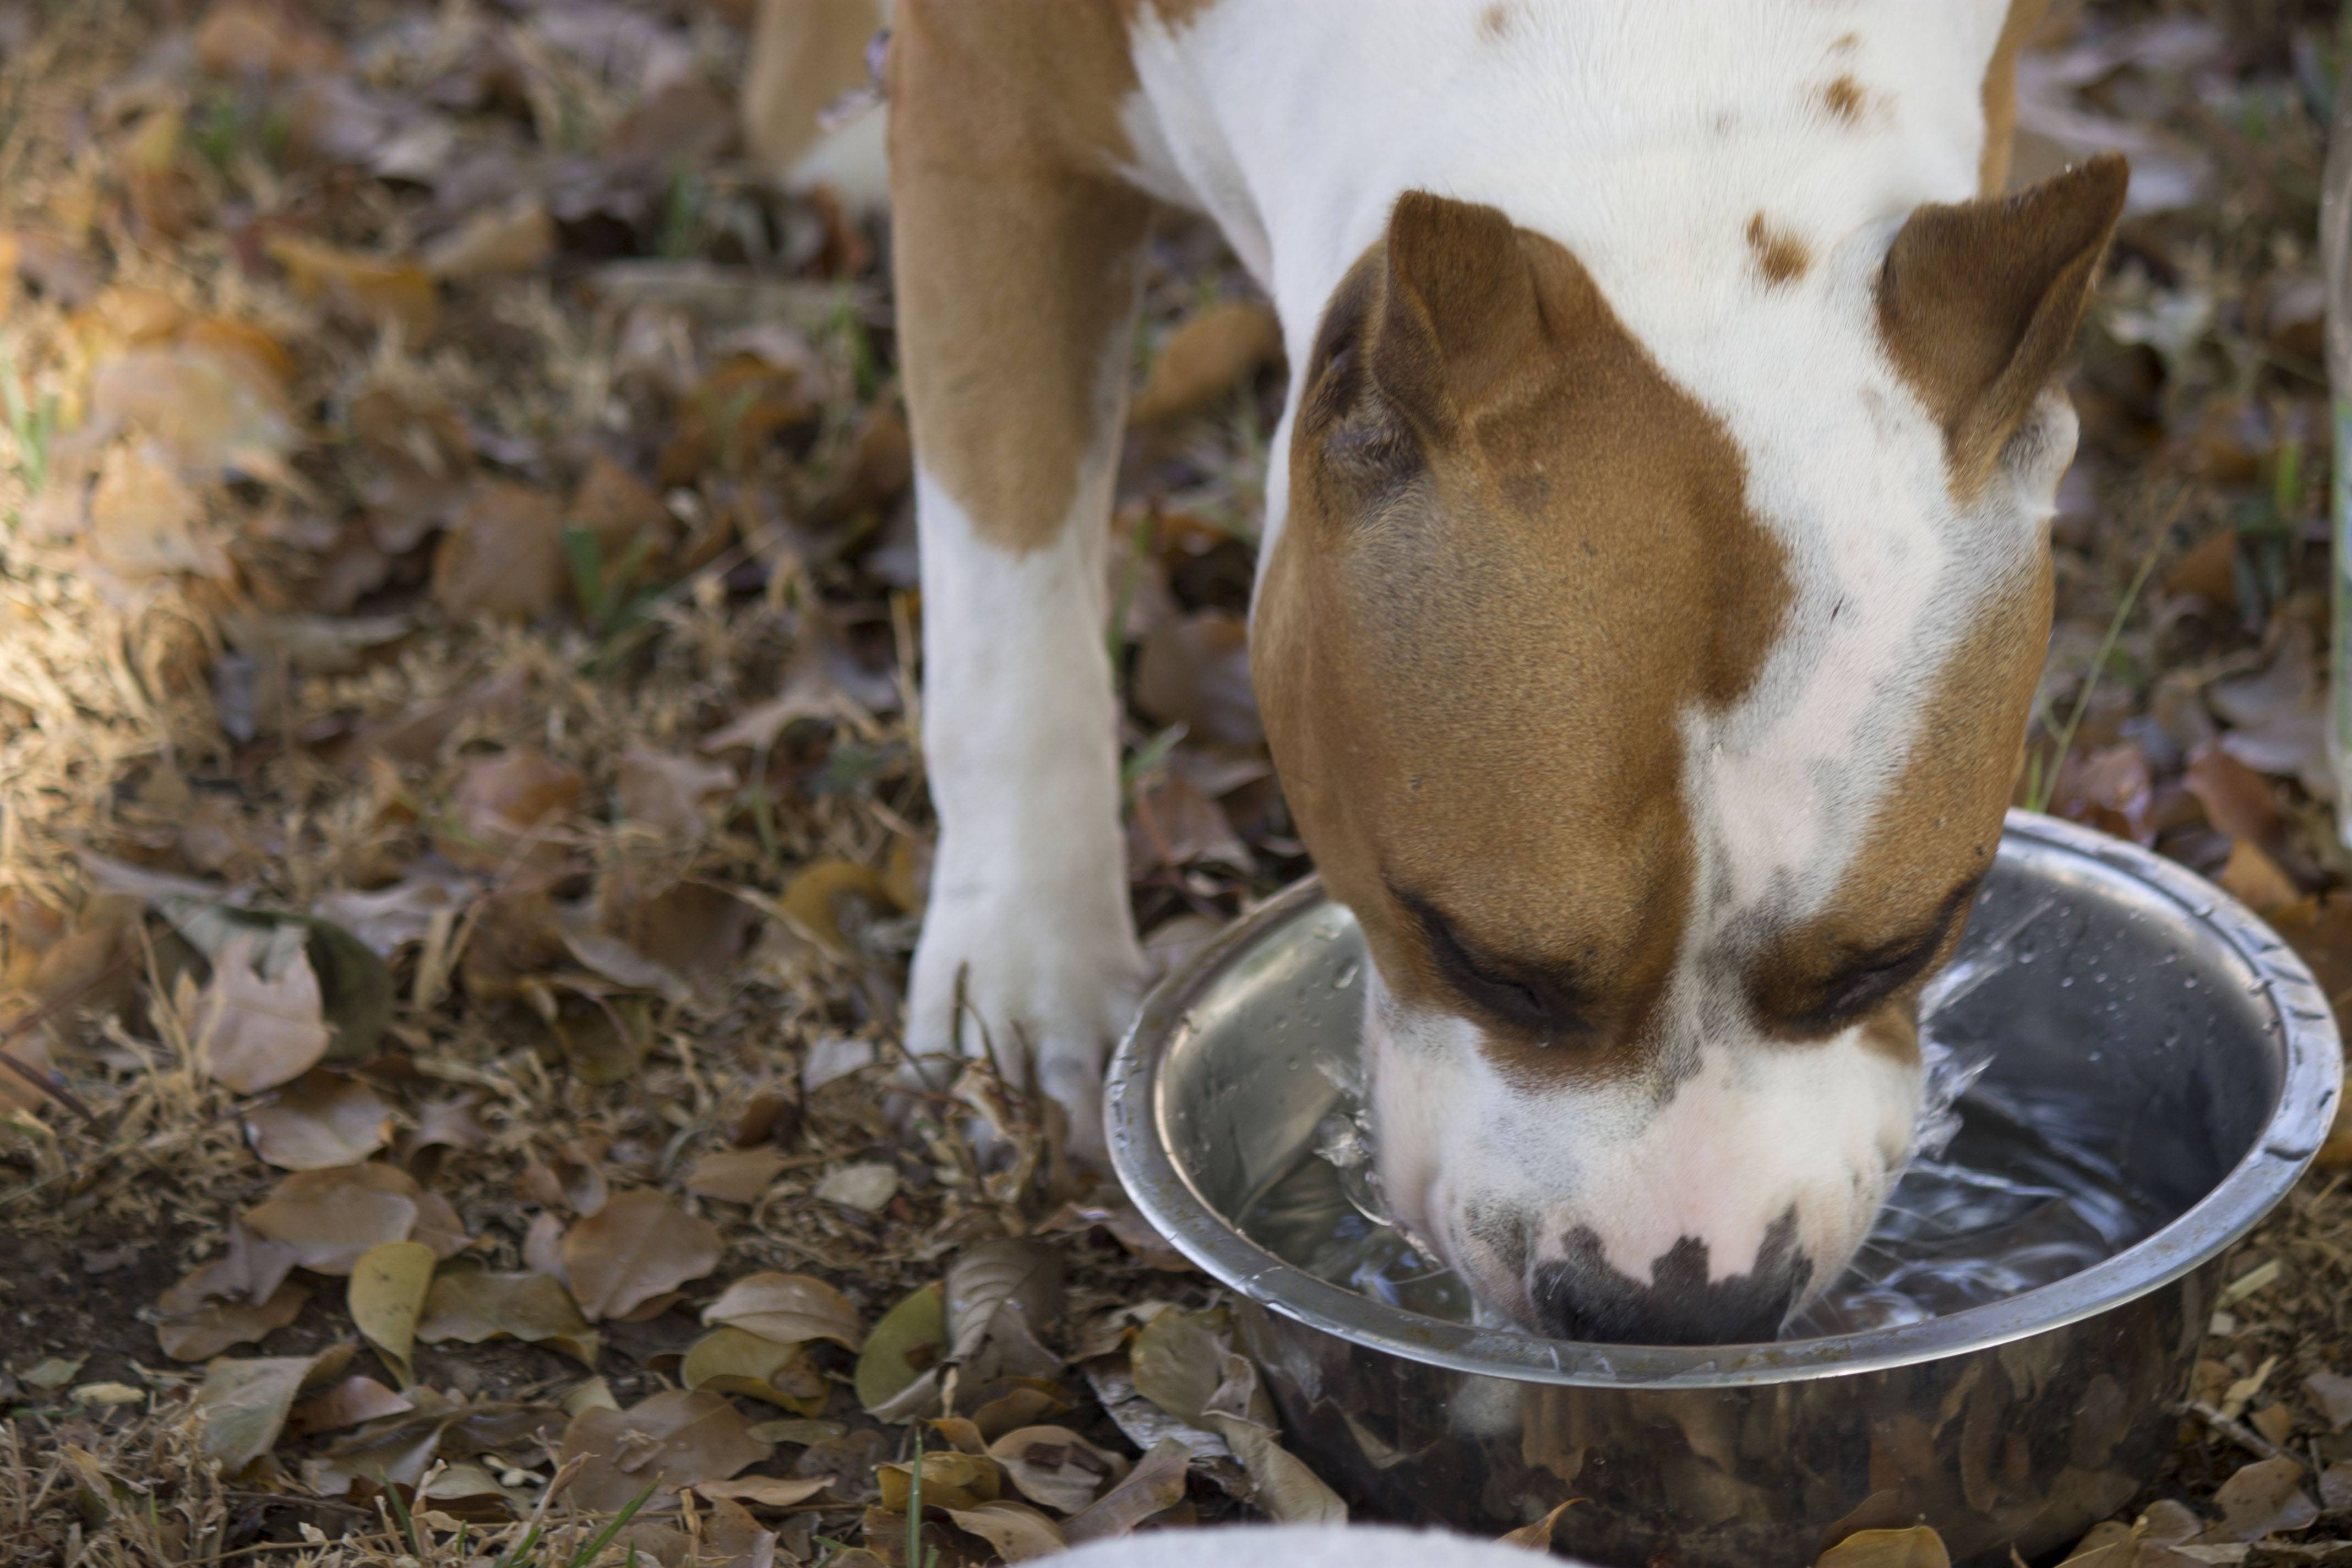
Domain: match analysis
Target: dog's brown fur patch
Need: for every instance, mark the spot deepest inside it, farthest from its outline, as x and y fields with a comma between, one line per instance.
x=1780, y=256
x=1489, y=475
x=1844, y=98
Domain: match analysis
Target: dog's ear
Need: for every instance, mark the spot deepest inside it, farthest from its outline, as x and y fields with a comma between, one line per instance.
x=1466, y=307
x=1979, y=302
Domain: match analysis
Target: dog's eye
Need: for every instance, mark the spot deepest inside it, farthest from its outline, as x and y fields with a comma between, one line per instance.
x=1856, y=990
x=1540, y=1005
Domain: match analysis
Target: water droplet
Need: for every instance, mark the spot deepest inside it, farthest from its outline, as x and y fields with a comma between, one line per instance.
x=1346, y=977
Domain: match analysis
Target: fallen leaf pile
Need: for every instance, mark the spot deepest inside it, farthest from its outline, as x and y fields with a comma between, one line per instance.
x=464, y=833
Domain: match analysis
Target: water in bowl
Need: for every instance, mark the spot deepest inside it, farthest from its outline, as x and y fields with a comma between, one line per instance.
x=2007, y=1194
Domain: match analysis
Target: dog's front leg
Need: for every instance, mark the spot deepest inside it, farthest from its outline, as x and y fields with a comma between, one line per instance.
x=1016, y=284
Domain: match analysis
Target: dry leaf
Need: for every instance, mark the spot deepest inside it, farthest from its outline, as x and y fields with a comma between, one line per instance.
x=766, y=1491
x=1537, y=1534
x=812, y=900
x=1175, y=824
x=497, y=242
x=2331, y=1392
x=252, y=37
x=735, y=1176
x=787, y=1307
x=329, y=1217
x=2336, y=1486
x=1205, y=357
x=1917, y=1547
x=347, y=1403
x=2237, y=800
x=320, y=1120
x=730, y=1361
x=254, y=1034
x=674, y=1440
x=505, y=812
x=215, y=405
x=192, y=1323
x=2255, y=879
x=1176, y=1363
x=1054, y=1466
x=866, y=1186
x=383, y=289
x=916, y=1327
x=1018, y=1532
x=1193, y=670
x=387, y=1292
x=950, y=1480
x=669, y=794
x=1156, y=1484
x=502, y=556
x=636, y=1246
x=245, y=1403
x=146, y=521
x=2261, y=1497
x=471, y=1306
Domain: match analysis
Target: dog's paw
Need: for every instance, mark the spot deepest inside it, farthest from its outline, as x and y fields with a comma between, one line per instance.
x=1037, y=990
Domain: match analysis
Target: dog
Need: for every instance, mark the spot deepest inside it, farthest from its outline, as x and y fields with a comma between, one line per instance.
x=1654, y=584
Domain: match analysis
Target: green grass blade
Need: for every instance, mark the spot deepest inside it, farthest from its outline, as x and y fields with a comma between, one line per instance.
x=581, y=1559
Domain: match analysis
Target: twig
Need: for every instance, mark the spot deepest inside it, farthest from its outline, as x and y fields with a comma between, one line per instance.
x=2238, y=1432
x=2048, y=783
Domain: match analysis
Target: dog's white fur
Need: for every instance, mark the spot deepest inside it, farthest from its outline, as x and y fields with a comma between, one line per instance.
x=1641, y=134
x=1247, y=1547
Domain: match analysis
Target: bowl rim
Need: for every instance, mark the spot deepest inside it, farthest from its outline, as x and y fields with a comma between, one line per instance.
x=2290, y=1137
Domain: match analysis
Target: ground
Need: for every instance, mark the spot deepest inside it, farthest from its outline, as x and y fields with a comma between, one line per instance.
x=462, y=837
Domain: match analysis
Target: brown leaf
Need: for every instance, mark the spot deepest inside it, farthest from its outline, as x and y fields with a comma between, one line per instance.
x=497, y=242
x=735, y=1176
x=2255, y=879
x=254, y=1034
x=620, y=510
x=951, y=1479
x=1175, y=826
x=2331, y=1392
x=2237, y=800
x=1917, y=1547
x=730, y=1360
x=674, y=1440
x=253, y=37
x=244, y=1404
x=1205, y=357
x=2110, y=789
x=502, y=556
x=329, y=1217
x=387, y=1294
x=1017, y=1532
x=1193, y=670
x=146, y=521
x=214, y=404
x=194, y=1323
x=1157, y=1483
x=1176, y=1363
x=766, y=1491
x=2210, y=571
x=1054, y=1466
x=2261, y=1497
x=473, y=1305
x=507, y=811
x=639, y=1245
x=320, y=1120
x=787, y=1307
x=1537, y=1534
x=813, y=899
x=669, y=794
x=347, y=1403
x=2336, y=1486
x=377, y=288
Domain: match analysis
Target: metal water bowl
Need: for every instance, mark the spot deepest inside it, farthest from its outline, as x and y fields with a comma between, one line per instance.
x=2021, y=1423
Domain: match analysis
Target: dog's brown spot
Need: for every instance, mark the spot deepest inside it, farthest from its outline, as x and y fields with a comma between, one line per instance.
x=1015, y=247
x=1844, y=98
x=1999, y=93
x=1978, y=303
x=1845, y=43
x=1780, y=256
x=1496, y=22
x=1516, y=553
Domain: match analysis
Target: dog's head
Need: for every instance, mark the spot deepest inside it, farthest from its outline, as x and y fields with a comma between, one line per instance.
x=1660, y=745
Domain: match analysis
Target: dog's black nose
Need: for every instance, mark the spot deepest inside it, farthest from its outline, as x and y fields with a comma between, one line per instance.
x=1582, y=1296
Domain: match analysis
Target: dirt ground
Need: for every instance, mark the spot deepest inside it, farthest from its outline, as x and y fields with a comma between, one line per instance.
x=460, y=838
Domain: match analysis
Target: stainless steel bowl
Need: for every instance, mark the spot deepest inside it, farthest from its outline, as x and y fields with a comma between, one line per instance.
x=2017, y=1424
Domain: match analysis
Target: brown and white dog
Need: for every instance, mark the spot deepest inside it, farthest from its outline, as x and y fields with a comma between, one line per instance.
x=1655, y=578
